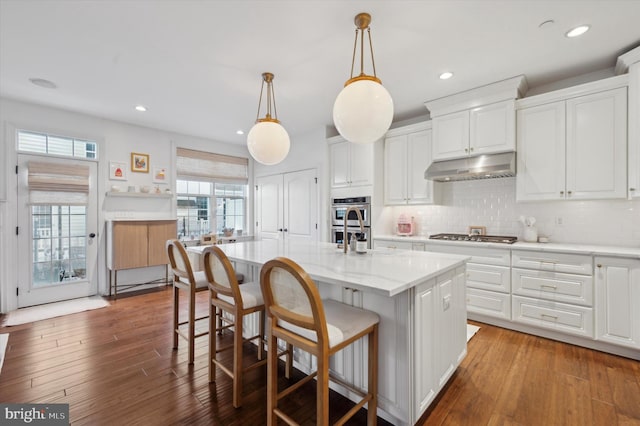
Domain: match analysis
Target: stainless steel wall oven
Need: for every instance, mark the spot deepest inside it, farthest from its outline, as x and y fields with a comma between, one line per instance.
x=339, y=208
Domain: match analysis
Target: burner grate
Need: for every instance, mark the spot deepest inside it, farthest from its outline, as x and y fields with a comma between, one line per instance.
x=475, y=238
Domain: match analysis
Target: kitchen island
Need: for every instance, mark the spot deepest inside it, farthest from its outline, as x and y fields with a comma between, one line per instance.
x=419, y=296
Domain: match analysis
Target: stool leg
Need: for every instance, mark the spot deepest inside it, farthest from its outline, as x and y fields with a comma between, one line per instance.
x=237, y=360
x=322, y=393
x=288, y=361
x=261, y=332
x=212, y=343
x=192, y=324
x=372, y=381
x=176, y=302
x=272, y=376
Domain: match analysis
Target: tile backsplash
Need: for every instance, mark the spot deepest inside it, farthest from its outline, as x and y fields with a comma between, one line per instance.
x=492, y=203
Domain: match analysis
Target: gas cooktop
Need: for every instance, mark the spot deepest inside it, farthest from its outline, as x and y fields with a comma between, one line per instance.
x=475, y=238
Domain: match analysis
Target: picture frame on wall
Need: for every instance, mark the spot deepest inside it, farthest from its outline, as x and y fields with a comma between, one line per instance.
x=139, y=162
x=477, y=230
x=159, y=175
x=117, y=170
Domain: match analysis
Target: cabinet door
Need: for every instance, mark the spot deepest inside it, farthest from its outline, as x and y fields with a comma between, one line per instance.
x=541, y=152
x=158, y=233
x=360, y=164
x=339, y=158
x=395, y=170
x=425, y=382
x=419, y=190
x=493, y=128
x=451, y=136
x=618, y=301
x=634, y=130
x=129, y=245
x=597, y=145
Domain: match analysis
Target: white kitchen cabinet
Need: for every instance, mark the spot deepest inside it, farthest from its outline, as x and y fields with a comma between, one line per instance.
x=287, y=206
x=401, y=245
x=407, y=154
x=617, y=302
x=553, y=291
x=482, y=130
x=351, y=163
x=632, y=61
x=488, y=278
x=574, y=148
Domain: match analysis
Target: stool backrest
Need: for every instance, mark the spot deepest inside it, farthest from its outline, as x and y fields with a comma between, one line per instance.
x=180, y=264
x=291, y=295
x=220, y=274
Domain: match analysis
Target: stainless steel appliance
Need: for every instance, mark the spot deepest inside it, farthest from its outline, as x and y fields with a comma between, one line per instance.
x=475, y=238
x=480, y=167
x=339, y=208
x=337, y=234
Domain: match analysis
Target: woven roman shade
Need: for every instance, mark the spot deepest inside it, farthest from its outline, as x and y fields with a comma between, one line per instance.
x=52, y=183
x=200, y=165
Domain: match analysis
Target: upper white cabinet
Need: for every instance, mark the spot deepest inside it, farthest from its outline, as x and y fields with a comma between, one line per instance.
x=618, y=301
x=475, y=122
x=482, y=130
x=407, y=154
x=573, y=147
x=630, y=62
x=351, y=163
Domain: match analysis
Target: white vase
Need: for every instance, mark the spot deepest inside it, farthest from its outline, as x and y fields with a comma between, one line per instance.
x=530, y=234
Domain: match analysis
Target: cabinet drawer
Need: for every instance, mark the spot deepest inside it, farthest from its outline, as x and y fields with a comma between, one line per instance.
x=489, y=303
x=494, y=278
x=554, y=286
x=556, y=262
x=561, y=317
x=486, y=256
x=402, y=245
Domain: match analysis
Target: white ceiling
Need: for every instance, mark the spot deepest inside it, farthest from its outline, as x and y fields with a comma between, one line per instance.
x=197, y=65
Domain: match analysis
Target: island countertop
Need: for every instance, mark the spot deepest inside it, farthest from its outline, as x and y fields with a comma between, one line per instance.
x=384, y=271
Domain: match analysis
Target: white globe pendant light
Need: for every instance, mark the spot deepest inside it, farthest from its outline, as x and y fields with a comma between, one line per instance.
x=268, y=142
x=363, y=110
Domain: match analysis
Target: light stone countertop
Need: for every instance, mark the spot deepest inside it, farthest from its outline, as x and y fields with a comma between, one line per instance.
x=384, y=271
x=591, y=250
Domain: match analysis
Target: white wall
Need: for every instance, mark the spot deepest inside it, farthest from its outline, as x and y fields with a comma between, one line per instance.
x=491, y=203
x=116, y=141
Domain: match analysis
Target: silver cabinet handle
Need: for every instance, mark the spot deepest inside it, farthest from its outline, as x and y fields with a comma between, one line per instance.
x=561, y=192
x=549, y=286
x=632, y=189
x=471, y=149
x=466, y=150
x=543, y=316
x=599, y=265
x=569, y=192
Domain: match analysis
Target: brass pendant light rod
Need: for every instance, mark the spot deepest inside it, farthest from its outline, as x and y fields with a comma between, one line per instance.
x=267, y=77
x=362, y=21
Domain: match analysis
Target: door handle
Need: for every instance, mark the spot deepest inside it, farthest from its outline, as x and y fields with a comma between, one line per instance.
x=280, y=229
x=92, y=235
x=285, y=230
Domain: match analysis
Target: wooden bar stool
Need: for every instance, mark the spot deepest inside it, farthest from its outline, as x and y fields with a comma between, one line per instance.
x=185, y=279
x=297, y=315
x=226, y=295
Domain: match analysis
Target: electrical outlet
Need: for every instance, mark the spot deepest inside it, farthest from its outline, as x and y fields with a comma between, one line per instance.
x=559, y=221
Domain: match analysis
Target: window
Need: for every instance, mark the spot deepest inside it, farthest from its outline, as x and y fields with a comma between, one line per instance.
x=211, y=192
x=195, y=201
x=40, y=143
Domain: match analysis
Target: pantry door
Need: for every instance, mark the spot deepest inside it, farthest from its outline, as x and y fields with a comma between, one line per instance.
x=57, y=244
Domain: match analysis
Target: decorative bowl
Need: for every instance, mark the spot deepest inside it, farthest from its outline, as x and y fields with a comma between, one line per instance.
x=227, y=232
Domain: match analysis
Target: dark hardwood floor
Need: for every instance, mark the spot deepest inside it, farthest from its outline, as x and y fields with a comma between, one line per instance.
x=115, y=366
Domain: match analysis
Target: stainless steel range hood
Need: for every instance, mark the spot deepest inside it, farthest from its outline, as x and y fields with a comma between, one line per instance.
x=480, y=167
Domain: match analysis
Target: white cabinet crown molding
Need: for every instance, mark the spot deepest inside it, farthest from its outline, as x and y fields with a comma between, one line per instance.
x=511, y=88
x=626, y=60
x=575, y=91
x=411, y=128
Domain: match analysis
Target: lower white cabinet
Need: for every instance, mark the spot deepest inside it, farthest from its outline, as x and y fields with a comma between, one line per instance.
x=618, y=301
x=401, y=245
x=556, y=286
x=489, y=303
x=563, y=317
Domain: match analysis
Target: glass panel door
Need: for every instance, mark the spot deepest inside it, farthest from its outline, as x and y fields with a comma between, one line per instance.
x=57, y=245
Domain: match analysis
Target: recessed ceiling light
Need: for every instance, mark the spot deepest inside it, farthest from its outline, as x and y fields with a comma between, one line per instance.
x=141, y=108
x=41, y=82
x=446, y=75
x=575, y=32
x=239, y=132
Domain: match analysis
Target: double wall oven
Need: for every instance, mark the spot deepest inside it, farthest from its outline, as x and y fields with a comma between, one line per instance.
x=339, y=208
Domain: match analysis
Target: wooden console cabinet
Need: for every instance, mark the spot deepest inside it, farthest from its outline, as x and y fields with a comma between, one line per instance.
x=137, y=244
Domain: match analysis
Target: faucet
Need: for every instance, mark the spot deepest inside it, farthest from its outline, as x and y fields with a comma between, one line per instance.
x=346, y=220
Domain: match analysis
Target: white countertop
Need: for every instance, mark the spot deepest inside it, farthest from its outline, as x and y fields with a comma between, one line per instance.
x=384, y=271
x=592, y=250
